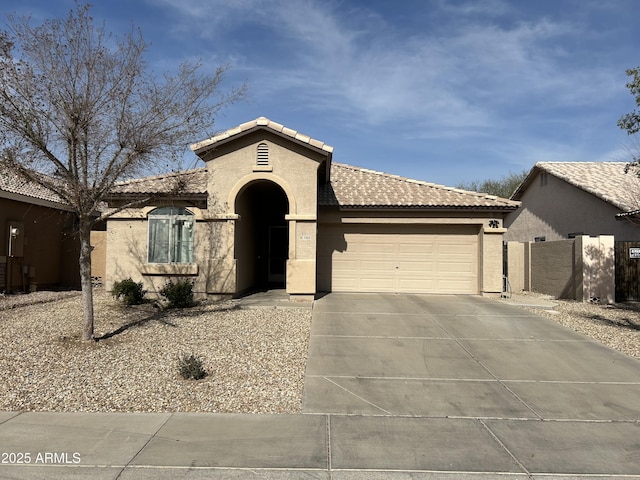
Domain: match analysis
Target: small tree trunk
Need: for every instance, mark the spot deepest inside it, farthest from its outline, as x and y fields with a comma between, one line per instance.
x=85, y=280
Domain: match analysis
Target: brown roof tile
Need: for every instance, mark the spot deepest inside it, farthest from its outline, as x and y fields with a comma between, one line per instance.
x=189, y=182
x=358, y=187
x=12, y=183
x=350, y=187
x=605, y=180
x=257, y=123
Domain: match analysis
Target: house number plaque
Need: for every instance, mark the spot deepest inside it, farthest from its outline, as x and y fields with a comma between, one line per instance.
x=634, y=252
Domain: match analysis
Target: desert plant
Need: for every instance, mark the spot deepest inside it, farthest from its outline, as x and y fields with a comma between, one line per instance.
x=190, y=367
x=130, y=291
x=178, y=294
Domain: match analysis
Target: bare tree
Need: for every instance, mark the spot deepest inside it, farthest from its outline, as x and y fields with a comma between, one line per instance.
x=82, y=107
x=503, y=187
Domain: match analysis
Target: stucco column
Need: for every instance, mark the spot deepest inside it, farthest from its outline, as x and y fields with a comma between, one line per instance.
x=595, y=259
x=301, y=265
x=516, y=269
x=491, y=258
x=217, y=251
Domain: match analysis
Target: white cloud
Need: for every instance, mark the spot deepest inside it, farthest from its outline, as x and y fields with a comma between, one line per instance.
x=468, y=75
x=475, y=7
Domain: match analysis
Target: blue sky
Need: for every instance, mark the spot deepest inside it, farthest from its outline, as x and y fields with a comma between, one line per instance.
x=446, y=91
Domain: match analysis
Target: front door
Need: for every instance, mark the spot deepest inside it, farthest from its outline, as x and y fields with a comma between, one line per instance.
x=278, y=254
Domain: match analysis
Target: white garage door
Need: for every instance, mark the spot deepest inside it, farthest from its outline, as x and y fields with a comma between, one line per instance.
x=393, y=258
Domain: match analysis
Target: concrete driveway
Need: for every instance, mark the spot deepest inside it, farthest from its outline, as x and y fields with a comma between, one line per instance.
x=468, y=384
x=397, y=387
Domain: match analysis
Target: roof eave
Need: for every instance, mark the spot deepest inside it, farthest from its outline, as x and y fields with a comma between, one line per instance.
x=18, y=197
x=519, y=191
x=262, y=123
x=128, y=196
x=203, y=150
x=501, y=209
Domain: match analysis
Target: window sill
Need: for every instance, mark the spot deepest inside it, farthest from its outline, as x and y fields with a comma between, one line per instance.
x=263, y=168
x=169, y=269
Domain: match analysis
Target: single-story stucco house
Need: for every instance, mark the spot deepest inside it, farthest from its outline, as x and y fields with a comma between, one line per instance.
x=561, y=200
x=272, y=209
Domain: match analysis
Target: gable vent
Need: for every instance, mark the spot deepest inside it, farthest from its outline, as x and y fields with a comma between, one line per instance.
x=263, y=155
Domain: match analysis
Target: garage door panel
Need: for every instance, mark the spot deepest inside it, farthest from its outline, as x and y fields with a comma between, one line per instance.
x=376, y=284
x=457, y=285
x=374, y=248
x=454, y=250
x=345, y=264
x=412, y=259
x=344, y=285
x=419, y=286
x=416, y=249
x=457, y=269
x=416, y=268
x=375, y=265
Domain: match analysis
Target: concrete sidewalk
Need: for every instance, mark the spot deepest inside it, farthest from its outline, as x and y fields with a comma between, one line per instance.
x=198, y=446
x=399, y=387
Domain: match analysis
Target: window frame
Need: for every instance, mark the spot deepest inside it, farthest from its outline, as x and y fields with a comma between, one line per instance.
x=175, y=243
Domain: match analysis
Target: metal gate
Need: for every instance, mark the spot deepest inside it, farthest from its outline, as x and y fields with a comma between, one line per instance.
x=627, y=271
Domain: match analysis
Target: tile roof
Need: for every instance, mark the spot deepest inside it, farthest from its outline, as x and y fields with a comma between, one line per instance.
x=350, y=187
x=189, y=182
x=357, y=187
x=13, y=183
x=605, y=180
x=261, y=122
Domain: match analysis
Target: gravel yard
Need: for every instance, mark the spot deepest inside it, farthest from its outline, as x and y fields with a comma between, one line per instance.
x=255, y=357
x=617, y=325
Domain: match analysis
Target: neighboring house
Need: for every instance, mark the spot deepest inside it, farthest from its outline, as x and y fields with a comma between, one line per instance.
x=37, y=246
x=562, y=200
x=271, y=209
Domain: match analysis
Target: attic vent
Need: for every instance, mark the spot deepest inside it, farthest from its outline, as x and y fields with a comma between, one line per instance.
x=263, y=155
x=544, y=179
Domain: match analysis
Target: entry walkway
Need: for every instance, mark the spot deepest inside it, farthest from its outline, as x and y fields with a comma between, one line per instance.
x=397, y=387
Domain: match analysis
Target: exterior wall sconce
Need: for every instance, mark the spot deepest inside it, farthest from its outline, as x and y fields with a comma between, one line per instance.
x=16, y=239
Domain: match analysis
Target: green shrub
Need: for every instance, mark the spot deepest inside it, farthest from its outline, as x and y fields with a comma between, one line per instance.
x=179, y=294
x=130, y=291
x=191, y=366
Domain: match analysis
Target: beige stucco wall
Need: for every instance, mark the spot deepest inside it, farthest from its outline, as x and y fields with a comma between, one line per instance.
x=218, y=252
x=491, y=261
x=517, y=267
x=580, y=269
x=597, y=257
x=558, y=209
x=126, y=253
x=294, y=168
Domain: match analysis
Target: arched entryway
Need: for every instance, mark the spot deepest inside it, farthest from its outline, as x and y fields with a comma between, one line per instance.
x=261, y=236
